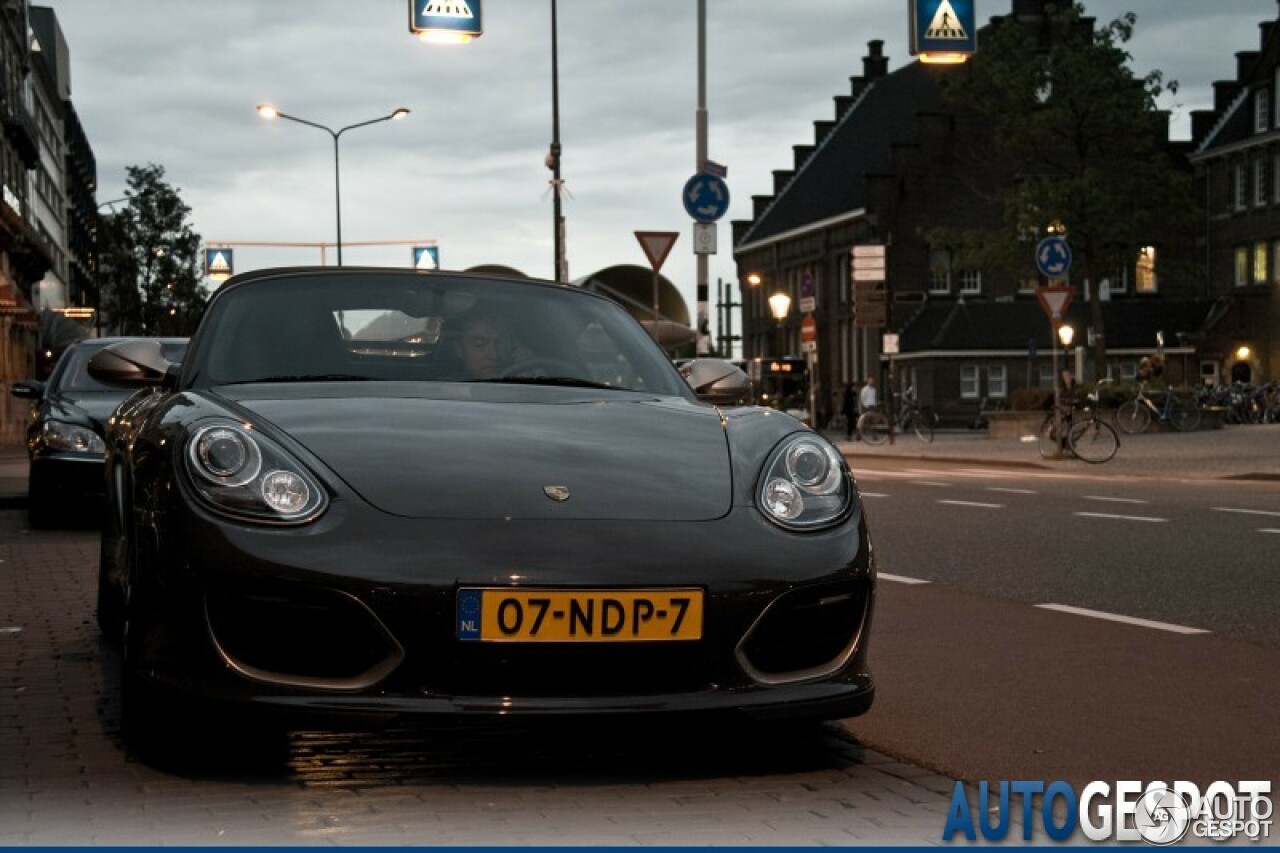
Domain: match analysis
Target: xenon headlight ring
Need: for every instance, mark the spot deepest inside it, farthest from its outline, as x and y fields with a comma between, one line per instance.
x=805, y=484
x=238, y=471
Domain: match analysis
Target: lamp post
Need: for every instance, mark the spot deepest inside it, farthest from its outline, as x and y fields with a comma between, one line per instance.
x=779, y=305
x=1066, y=333
x=553, y=156
x=267, y=111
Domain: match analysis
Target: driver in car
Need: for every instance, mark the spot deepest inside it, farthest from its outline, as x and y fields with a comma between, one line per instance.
x=483, y=348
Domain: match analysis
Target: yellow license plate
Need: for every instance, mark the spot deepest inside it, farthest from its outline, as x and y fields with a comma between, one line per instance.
x=579, y=616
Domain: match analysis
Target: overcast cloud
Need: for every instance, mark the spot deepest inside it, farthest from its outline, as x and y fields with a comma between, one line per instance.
x=175, y=82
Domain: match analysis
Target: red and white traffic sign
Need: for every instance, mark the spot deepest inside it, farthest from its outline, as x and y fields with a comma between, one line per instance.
x=808, y=334
x=1055, y=300
x=657, y=245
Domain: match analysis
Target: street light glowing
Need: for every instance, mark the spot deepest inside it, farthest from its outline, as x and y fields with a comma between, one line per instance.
x=267, y=111
x=1243, y=353
x=754, y=278
x=779, y=304
x=399, y=113
x=1065, y=334
x=444, y=37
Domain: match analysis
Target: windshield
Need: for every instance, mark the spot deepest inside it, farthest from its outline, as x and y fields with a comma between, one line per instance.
x=371, y=326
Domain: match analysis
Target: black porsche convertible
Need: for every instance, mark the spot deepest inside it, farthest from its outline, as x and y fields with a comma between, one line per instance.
x=378, y=493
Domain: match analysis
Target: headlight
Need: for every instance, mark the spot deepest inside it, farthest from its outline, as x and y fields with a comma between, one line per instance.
x=242, y=472
x=805, y=484
x=60, y=436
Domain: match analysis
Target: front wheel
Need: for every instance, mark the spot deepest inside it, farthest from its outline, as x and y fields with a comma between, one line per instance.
x=1133, y=418
x=922, y=424
x=1093, y=441
x=873, y=427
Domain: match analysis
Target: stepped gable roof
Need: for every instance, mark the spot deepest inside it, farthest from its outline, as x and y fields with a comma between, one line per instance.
x=981, y=325
x=832, y=180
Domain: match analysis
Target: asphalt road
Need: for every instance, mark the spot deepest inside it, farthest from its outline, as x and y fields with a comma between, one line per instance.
x=1172, y=673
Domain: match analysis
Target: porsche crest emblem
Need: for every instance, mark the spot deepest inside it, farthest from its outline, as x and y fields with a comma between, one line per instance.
x=556, y=493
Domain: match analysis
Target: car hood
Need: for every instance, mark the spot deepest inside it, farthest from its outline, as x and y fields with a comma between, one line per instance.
x=502, y=452
x=86, y=408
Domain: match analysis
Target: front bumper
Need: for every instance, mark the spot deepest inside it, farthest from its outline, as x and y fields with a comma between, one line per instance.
x=324, y=622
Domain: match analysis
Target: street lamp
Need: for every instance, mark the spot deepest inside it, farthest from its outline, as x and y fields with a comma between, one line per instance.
x=779, y=305
x=553, y=156
x=268, y=111
x=1066, y=333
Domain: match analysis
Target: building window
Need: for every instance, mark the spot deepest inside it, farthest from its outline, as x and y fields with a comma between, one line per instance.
x=1260, y=263
x=1145, y=279
x=1262, y=110
x=1044, y=375
x=939, y=270
x=1240, y=185
x=1275, y=262
x=1242, y=266
x=970, y=282
x=1028, y=285
x=997, y=382
x=1128, y=371
x=968, y=382
x=1259, y=182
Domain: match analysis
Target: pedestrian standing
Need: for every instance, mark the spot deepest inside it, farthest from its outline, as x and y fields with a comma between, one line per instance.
x=849, y=408
x=868, y=398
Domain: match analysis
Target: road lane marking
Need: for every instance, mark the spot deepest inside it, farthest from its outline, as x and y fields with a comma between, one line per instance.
x=873, y=494
x=930, y=483
x=1269, y=529
x=1128, y=620
x=899, y=579
x=1120, y=517
x=1012, y=491
x=973, y=503
x=1246, y=511
x=1114, y=500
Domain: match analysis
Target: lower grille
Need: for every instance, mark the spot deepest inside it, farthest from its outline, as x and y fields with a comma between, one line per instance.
x=306, y=637
x=806, y=631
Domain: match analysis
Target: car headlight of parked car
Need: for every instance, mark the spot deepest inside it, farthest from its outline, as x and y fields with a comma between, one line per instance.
x=805, y=484
x=60, y=436
x=239, y=471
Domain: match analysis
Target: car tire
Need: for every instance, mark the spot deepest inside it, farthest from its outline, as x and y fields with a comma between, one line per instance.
x=110, y=612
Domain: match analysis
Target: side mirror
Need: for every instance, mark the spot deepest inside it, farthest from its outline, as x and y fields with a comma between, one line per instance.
x=130, y=364
x=28, y=389
x=717, y=381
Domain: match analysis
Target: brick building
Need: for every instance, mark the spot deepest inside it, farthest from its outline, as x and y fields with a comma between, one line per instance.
x=890, y=168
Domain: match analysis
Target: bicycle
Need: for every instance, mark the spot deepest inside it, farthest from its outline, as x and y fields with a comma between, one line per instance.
x=1135, y=416
x=874, y=425
x=1089, y=439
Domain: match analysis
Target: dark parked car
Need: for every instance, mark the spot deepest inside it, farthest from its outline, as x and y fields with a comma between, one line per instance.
x=64, y=432
x=376, y=493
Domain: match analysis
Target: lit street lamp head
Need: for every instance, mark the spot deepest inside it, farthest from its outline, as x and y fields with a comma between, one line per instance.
x=267, y=111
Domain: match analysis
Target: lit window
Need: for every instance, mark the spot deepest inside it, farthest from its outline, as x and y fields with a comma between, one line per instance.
x=1145, y=279
x=1260, y=263
x=1242, y=266
x=968, y=382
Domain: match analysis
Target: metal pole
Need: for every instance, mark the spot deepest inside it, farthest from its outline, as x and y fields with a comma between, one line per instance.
x=337, y=194
x=700, y=120
x=557, y=217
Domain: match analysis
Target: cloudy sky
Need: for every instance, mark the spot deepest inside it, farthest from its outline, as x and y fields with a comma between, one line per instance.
x=175, y=82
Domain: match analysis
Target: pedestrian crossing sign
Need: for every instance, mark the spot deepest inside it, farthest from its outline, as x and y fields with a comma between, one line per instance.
x=218, y=264
x=943, y=30
x=445, y=20
x=426, y=257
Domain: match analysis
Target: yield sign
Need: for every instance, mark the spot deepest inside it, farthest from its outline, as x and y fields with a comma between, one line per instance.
x=657, y=245
x=1055, y=300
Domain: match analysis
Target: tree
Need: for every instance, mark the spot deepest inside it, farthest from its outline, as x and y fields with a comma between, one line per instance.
x=150, y=260
x=1085, y=139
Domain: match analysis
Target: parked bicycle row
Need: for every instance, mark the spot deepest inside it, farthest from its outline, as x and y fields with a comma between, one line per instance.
x=1243, y=403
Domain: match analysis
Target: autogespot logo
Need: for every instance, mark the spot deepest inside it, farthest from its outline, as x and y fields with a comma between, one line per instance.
x=1157, y=813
